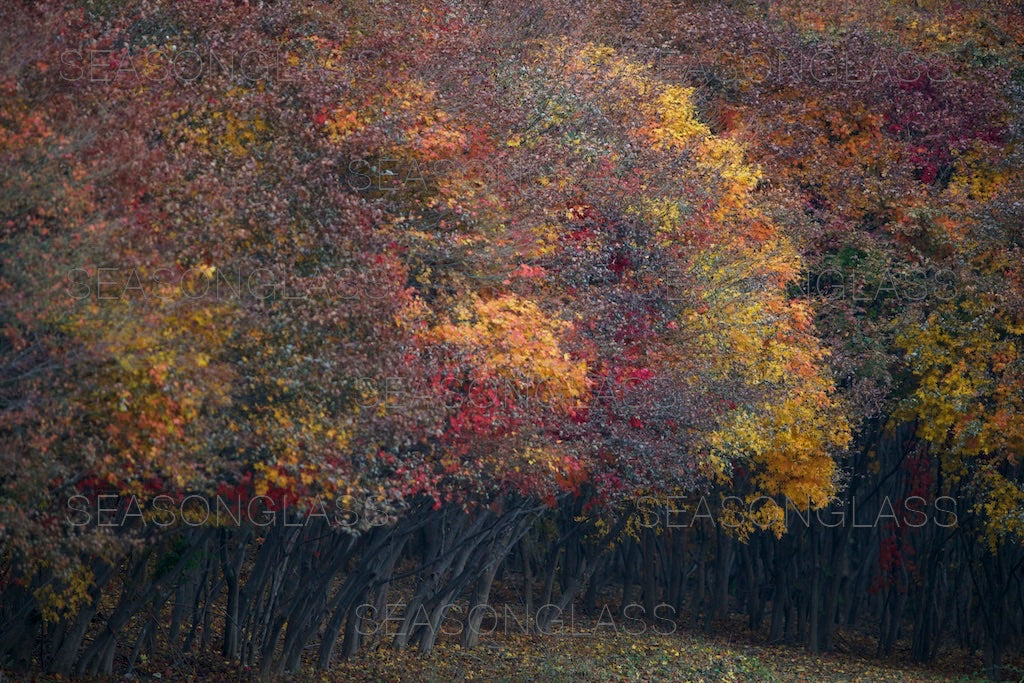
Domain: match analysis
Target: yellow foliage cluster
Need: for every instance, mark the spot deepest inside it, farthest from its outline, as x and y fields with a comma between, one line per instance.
x=794, y=426
x=968, y=403
x=160, y=370
x=677, y=124
x=59, y=598
x=221, y=129
x=1001, y=506
x=516, y=341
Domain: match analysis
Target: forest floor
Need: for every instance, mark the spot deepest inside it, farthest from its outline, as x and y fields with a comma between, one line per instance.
x=581, y=652
x=607, y=656
x=599, y=648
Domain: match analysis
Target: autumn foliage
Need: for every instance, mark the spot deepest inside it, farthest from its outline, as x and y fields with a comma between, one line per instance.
x=302, y=300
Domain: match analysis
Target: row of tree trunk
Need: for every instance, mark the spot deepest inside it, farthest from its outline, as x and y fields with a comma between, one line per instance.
x=268, y=597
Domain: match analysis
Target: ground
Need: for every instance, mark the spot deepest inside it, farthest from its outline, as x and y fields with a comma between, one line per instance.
x=583, y=654
x=623, y=657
